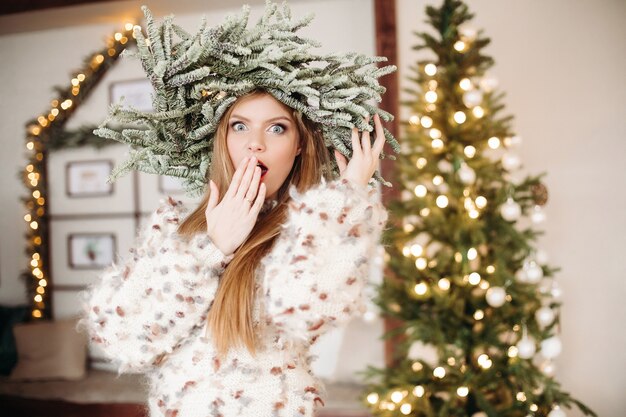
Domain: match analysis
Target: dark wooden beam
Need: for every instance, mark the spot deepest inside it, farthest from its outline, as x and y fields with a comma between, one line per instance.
x=21, y=6
x=387, y=45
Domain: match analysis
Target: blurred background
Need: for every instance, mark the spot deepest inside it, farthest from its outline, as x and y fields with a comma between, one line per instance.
x=559, y=62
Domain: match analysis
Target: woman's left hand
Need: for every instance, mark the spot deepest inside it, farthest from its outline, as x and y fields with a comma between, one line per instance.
x=364, y=155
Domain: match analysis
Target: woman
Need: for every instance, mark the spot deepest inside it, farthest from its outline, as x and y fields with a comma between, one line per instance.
x=221, y=306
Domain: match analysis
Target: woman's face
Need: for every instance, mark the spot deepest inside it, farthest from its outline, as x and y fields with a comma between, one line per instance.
x=264, y=127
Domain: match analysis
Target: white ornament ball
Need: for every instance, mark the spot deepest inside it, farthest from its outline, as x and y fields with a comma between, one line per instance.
x=538, y=215
x=551, y=347
x=545, y=286
x=542, y=257
x=555, y=291
x=510, y=210
x=534, y=272
x=488, y=83
x=520, y=275
x=496, y=296
x=548, y=368
x=557, y=412
x=511, y=161
x=526, y=348
x=468, y=32
x=424, y=352
x=444, y=166
x=467, y=174
x=544, y=316
x=472, y=98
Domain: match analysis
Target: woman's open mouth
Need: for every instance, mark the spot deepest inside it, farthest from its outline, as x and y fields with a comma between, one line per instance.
x=264, y=168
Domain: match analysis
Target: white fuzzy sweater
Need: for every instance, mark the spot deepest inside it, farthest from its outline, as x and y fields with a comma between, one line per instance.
x=149, y=313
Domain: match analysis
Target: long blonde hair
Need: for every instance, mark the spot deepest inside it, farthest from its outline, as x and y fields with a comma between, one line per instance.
x=230, y=316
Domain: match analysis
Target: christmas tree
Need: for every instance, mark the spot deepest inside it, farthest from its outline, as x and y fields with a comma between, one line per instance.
x=477, y=303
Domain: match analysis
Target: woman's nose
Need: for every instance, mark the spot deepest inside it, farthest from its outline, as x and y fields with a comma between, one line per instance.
x=256, y=143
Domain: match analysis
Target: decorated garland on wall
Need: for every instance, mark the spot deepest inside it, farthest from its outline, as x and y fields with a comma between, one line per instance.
x=46, y=133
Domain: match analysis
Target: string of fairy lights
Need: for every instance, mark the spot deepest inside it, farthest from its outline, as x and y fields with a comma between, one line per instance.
x=405, y=399
x=39, y=132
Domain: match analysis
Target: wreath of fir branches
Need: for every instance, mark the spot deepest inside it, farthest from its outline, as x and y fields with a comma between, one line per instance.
x=196, y=78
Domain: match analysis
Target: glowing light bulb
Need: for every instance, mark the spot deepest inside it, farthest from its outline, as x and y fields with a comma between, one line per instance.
x=372, y=398
x=469, y=151
x=474, y=278
x=533, y=407
x=437, y=180
x=512, y=352
x=431, y=96
x=396, y=396
x=421, y=288
x=444, y=284
x=478, y=112
x=483, y=284
x=462, y=391
x=439, y=372
x=419, y=391
x=493, y=142
x=472, y=253
x=479, y=315
x=405, y=409
x=417, y=250
x=420, y=190
x=459, y=46
x=481, y=202
x=520, y=396
x=473, y=214
x=421, y=163
x=406, y=251
x=38, y=298
x=460, y=117
x=435, y=133
x=491, y=269
x=425, y=212
x=430, y=69
x=465, y=84
x=442, y=201
x=414, y=120
x=427, y=122
x=437, y=144
x=417, y=366
x=421, y=263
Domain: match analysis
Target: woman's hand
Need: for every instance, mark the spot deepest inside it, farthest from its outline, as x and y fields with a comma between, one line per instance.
x=230, y=222
x=364, y=155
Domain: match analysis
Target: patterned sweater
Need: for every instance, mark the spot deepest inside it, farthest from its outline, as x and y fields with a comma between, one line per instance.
x=149, y=313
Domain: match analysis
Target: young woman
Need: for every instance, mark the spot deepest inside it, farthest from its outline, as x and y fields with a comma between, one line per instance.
x=221, y=305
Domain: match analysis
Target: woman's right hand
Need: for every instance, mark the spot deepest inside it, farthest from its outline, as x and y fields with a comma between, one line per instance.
x=230, y=222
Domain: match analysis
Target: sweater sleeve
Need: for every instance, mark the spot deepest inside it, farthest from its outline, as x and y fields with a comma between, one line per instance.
x=139, y=311
x=320, y=264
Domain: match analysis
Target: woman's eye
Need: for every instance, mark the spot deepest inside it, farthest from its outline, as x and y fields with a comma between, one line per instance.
x=238, y=126
x=277, y=129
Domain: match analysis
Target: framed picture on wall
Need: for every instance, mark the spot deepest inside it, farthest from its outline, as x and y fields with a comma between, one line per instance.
x=88, y=178
x=132, y=93
x=91, y=250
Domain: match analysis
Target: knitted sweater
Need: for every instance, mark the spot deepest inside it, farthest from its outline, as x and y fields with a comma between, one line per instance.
x=149, y=314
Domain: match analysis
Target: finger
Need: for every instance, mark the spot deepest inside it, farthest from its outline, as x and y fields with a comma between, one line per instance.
x=356, y=146
x=254, y=185
x=260, y=199
x=342, y=162
x=247, y=177
x=213, y=196
x=365, y=138
x=380, y=136
x=234, y=184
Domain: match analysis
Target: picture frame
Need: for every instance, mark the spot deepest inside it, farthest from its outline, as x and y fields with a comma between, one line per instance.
x=87, y=251
x=132, y=93
x=88, y=178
